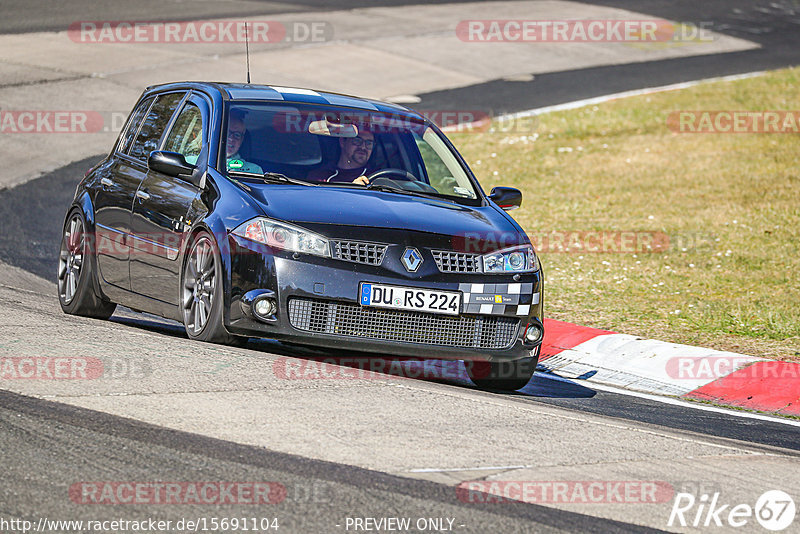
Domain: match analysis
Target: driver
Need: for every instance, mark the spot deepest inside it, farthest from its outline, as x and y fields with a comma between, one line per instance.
x=353, y=161
x=236, y=133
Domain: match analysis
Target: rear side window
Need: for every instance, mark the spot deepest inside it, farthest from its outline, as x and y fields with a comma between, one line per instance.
x=186, y=136
x=133, y=124
x=154, y=125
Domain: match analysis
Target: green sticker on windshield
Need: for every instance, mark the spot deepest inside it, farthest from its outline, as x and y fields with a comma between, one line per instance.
x=235, y=164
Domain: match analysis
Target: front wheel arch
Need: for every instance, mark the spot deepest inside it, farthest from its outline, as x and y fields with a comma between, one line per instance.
x=503, y=375
x=84, y=203
x=219, y=233
x=214, y=330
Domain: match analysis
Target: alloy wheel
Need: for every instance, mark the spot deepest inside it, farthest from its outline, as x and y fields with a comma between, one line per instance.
x=70, y=260
x=199, y=284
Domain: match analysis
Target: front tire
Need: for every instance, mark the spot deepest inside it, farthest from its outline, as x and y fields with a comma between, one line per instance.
x=504, y=376
x=201, y=293
x=77, y=271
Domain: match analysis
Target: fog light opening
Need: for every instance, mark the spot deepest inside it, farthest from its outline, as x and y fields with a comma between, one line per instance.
x=263, y=308
x=533, y=334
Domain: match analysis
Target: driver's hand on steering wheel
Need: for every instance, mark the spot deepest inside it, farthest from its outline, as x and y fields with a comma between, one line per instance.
x=363, y=180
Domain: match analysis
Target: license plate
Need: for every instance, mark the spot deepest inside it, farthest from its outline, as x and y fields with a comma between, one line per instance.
x=410, y=298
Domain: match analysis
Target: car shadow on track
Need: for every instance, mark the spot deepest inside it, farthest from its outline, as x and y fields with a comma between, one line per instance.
x=327, y=363
x=149, y=322
x=330, y=364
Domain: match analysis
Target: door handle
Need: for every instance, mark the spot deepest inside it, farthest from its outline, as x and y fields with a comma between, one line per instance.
x=142, y=195
x=106, y=181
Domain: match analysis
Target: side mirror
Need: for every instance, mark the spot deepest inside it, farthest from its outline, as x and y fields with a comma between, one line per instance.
x=172, y=164
x=507, y=198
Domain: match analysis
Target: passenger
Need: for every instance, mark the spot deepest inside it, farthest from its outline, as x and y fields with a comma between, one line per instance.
x=353, y=164
x=236, y=133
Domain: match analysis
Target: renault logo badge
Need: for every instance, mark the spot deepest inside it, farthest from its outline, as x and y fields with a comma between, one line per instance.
x=412, y=259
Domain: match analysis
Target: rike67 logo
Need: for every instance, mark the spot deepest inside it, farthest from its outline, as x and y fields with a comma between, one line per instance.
x=774, y=510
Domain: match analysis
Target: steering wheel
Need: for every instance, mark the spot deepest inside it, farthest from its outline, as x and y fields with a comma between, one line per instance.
x=397, y=174
x=407, y=181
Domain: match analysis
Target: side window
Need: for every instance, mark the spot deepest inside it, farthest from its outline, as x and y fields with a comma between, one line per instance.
x=186, y=136
x=444, y=172
x=154, y=125
x=133, y=124
x=434, y=166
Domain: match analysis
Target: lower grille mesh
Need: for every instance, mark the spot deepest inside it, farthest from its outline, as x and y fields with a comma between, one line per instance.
x=343, y=319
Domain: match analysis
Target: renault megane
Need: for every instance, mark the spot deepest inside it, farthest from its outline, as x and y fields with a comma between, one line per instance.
x=310, y=217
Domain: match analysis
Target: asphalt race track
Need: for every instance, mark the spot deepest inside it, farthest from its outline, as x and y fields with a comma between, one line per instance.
x=766, y=23
x=317, y=491
x=42, y=233
x=344, y=449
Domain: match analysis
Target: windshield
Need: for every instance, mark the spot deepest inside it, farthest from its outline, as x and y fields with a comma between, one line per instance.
x=327, y=145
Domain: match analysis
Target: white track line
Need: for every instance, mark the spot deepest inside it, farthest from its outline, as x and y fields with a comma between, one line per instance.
x=453, y=469
x=672, y=400
x=626, y=94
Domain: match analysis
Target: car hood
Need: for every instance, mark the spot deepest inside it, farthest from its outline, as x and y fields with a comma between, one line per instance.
x=377, y=209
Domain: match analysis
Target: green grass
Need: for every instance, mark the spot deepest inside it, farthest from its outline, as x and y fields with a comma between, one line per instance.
x=730, y=203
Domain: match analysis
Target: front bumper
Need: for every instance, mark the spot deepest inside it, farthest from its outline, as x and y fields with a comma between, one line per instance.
x=331, y=287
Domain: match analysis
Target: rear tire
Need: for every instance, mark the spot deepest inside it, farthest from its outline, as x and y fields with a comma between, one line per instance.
x=77, y=271
x=201, y=293
x=504, y=376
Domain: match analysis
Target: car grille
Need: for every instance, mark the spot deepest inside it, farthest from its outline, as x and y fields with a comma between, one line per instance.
x=359, y=252
x=457, y=262
x=344, y=319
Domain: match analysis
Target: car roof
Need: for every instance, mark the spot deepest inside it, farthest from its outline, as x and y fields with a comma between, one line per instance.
x=250, y=92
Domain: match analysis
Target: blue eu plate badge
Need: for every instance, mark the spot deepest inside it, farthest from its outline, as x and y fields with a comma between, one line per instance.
x=366, y=292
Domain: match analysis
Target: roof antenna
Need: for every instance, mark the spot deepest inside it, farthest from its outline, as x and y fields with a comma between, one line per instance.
x=247, y=48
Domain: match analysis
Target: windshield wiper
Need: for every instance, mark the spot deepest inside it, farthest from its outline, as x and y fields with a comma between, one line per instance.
x=342, y=184
x=276, y=177
x=391, y=189
x=272, y=177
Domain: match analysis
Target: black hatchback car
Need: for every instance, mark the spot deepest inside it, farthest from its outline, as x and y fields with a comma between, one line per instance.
x=310, y=217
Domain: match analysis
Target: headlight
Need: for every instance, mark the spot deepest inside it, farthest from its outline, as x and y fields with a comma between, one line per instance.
x=511, y=260
x=284, y=236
